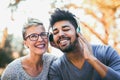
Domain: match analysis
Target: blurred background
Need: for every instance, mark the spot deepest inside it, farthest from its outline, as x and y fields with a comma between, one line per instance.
x=99, y=21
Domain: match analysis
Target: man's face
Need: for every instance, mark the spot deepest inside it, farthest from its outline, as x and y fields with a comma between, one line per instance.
x=64, y=35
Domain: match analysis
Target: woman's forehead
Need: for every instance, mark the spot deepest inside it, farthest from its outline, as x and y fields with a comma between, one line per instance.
x=35, y=29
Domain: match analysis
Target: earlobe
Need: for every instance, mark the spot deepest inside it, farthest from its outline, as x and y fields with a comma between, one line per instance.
x=78, y=31
x=24, y=42
x=78, y=34
x=25, y=45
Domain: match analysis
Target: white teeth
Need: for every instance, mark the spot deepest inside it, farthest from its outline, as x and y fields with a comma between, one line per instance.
x=63, y=41
x=40, y=46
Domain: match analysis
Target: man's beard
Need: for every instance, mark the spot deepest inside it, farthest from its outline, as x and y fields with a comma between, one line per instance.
x=71, y=47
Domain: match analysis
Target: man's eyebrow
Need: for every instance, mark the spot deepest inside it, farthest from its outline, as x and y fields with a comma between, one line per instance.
x=65, y=26
x=54, y=29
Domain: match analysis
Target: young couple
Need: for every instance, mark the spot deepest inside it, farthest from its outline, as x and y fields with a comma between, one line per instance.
x=81, y=60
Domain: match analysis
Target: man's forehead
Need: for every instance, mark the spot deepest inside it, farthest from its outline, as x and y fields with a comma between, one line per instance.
x=62, y=26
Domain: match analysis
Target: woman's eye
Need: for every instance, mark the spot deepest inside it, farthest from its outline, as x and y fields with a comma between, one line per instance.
x=33, y=36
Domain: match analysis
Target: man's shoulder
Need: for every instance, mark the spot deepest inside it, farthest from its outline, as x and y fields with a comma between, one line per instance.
x=103, y=51
x=101, y=48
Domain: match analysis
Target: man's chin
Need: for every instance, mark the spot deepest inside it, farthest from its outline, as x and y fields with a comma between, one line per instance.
x=62, y=49
x=65, y=49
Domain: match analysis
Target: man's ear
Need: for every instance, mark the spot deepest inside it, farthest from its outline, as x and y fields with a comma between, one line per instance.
x=78, y=29
x=78, y=34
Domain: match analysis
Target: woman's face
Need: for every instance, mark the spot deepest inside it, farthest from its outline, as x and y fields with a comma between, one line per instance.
x=36, y=46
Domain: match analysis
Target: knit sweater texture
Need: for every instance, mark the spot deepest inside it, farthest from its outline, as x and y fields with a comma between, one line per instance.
x=15, y=71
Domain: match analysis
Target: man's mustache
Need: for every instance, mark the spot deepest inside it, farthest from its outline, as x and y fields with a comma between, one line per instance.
x=62, y=38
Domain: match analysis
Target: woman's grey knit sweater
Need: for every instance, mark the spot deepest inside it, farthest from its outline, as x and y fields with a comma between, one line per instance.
x=15, y=71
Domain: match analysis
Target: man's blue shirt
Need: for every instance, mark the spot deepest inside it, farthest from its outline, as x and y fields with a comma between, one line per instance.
x=63, y=69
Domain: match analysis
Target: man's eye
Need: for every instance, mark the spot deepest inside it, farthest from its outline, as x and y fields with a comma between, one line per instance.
x=55, y=32
x=66, y=29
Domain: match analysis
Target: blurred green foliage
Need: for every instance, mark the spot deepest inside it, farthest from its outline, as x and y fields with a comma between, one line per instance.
x=6, y=52
x=4, y=58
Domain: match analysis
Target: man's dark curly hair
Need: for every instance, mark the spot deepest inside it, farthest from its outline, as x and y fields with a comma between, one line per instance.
x=60, y=15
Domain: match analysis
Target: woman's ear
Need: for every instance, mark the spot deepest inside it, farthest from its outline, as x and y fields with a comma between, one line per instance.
x=25, y=44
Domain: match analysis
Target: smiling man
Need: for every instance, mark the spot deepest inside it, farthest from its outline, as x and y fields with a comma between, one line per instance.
x=81, y=61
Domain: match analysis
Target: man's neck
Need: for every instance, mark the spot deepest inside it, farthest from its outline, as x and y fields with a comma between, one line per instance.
x=76, y=59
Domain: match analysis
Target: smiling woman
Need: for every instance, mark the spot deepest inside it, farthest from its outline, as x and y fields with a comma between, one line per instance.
x=35, y=65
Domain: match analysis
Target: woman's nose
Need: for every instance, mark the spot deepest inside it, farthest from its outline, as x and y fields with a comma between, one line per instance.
x=40, y=38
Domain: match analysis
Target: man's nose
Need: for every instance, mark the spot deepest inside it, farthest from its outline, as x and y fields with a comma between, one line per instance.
x=61, y=33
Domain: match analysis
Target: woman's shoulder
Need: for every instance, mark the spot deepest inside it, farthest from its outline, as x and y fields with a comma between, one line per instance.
x=49, y=57
x=15, y=63
x=11, y=68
